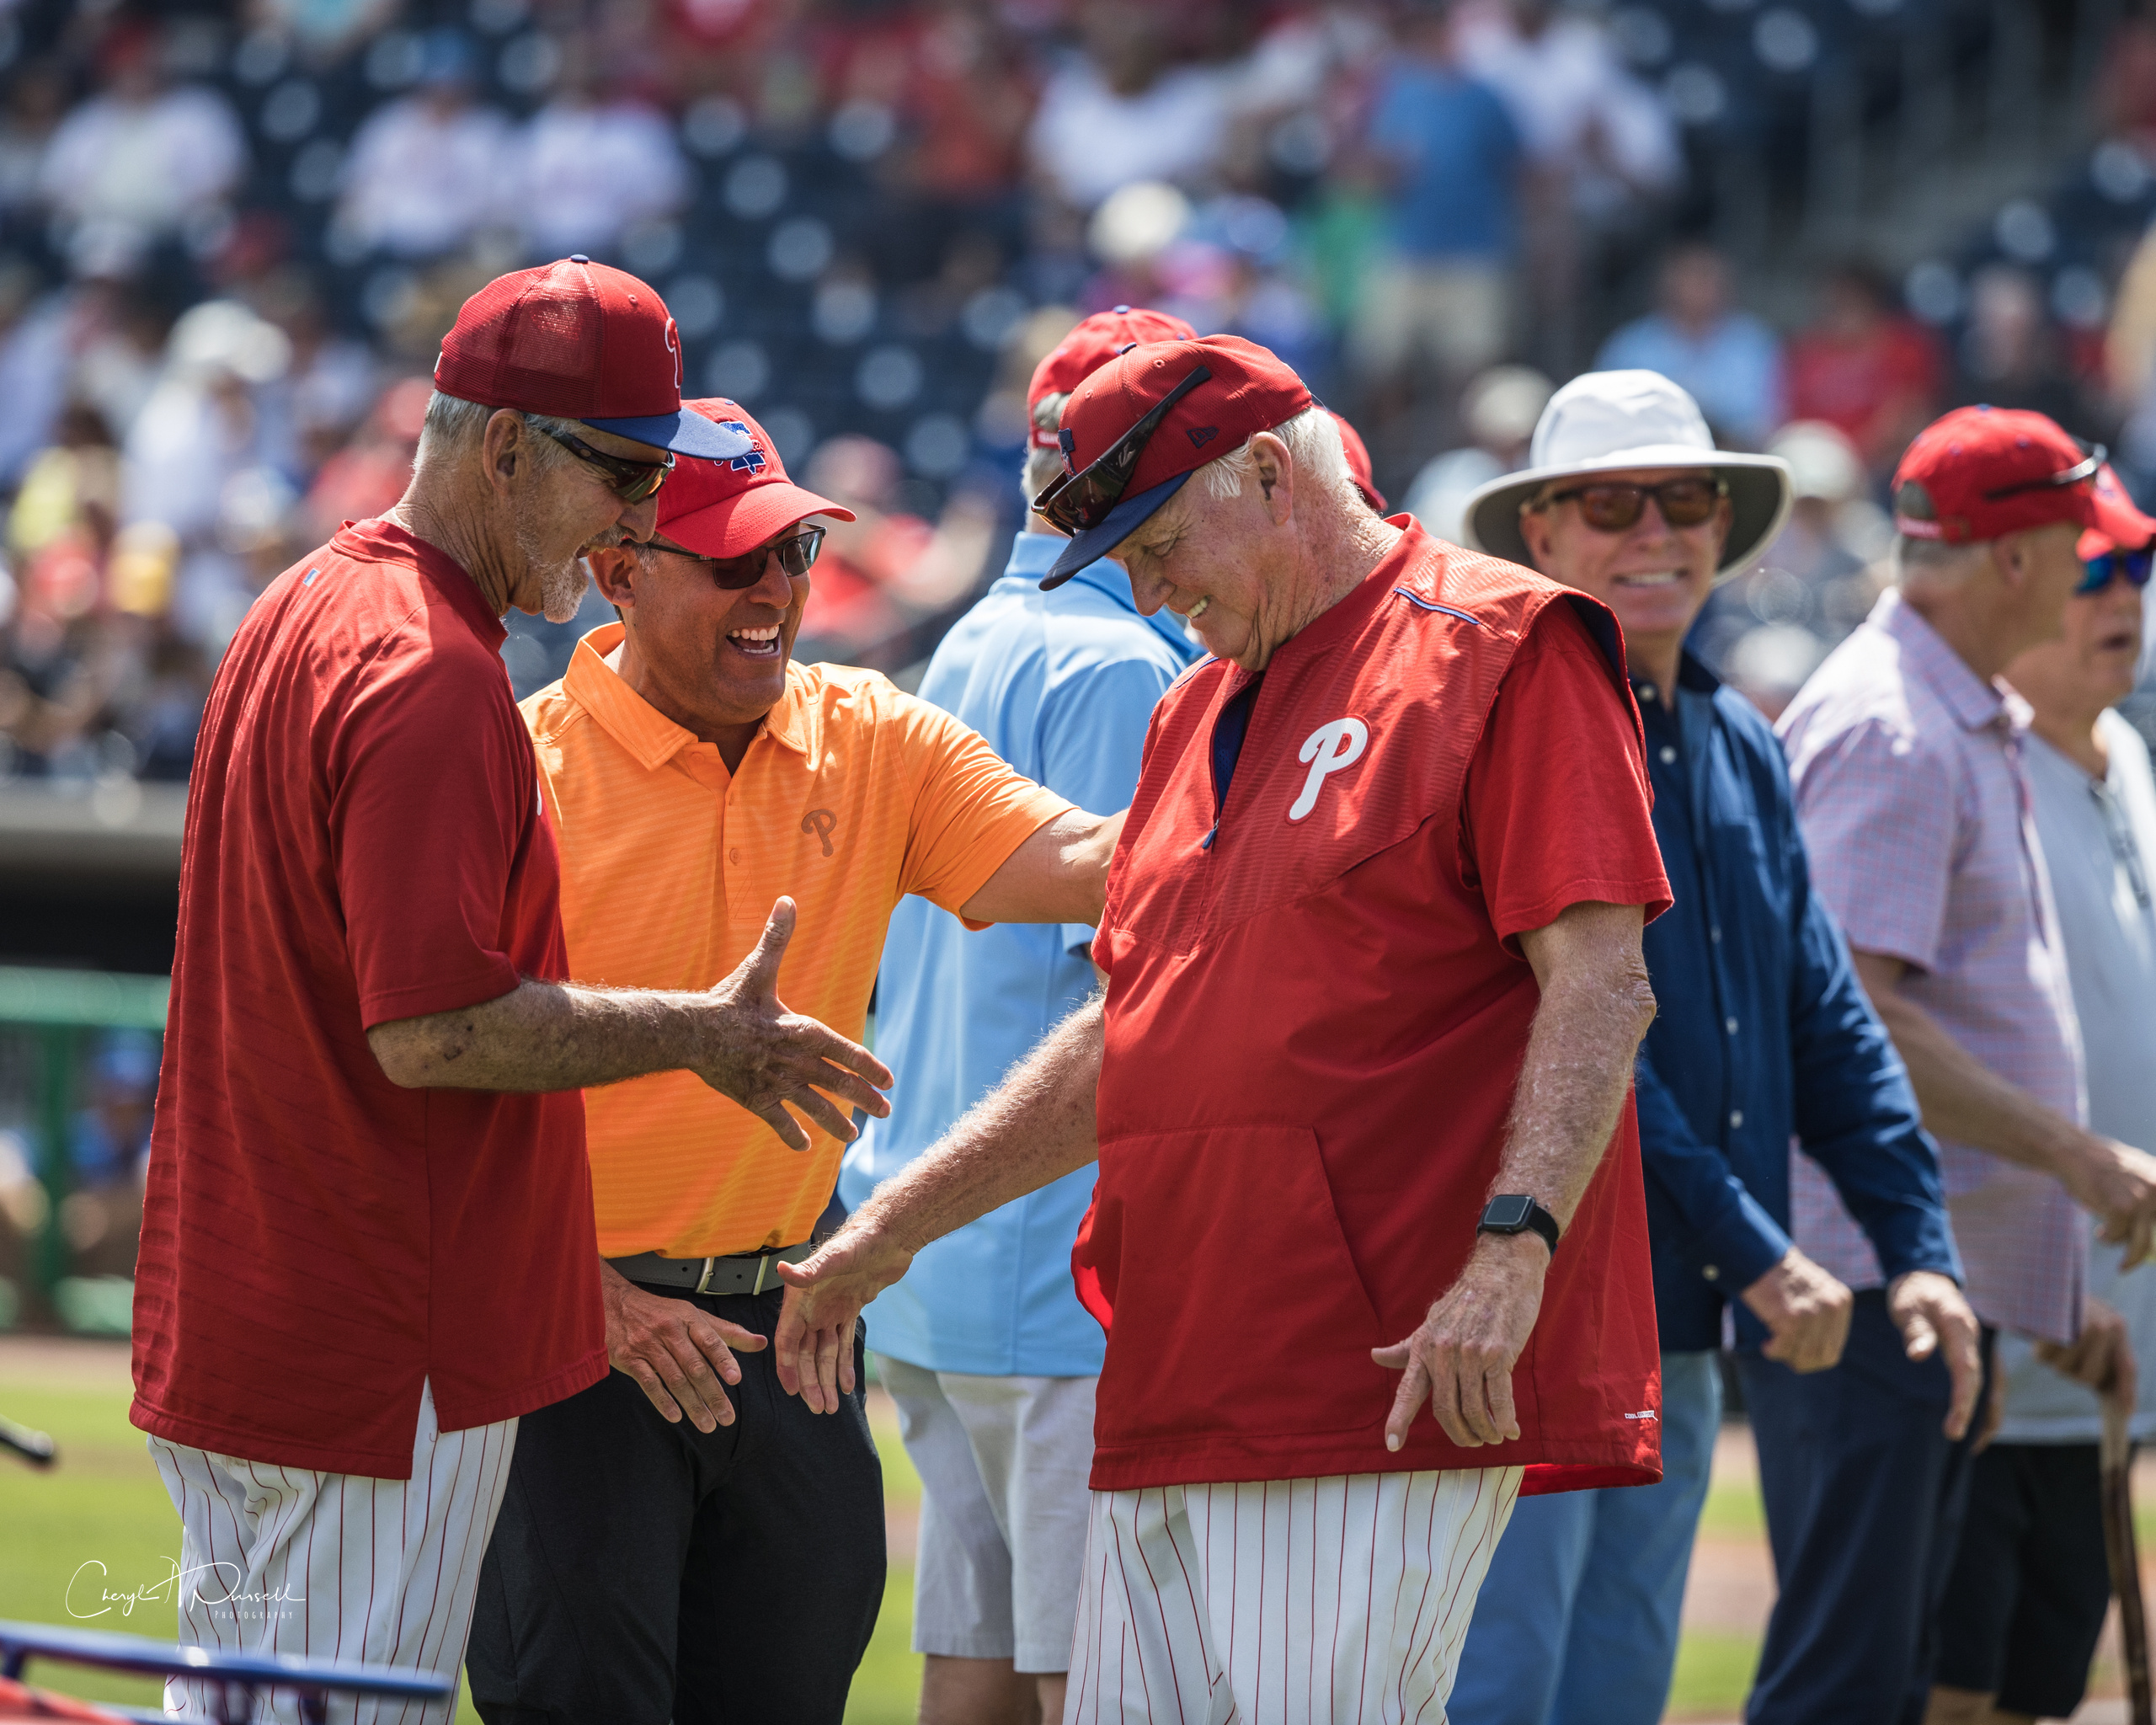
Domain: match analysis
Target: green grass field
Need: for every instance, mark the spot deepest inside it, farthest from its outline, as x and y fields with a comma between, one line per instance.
x=104, y=1506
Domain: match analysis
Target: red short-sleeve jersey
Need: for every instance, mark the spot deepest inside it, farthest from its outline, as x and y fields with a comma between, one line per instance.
x=1316, y=1014
x=365, y=841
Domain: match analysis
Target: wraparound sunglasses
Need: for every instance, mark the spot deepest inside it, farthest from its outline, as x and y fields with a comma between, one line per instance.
x=1081, y=501
x=631, y=481
x=796, y=555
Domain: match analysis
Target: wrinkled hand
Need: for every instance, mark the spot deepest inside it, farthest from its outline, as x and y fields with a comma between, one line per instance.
x=825, y=1294
x=1933, y=1318
x=1461, y=1357
x=764, y=1057
x=1805, y=1310
x=2101, y=1356
x=676, y=1351
x=2117, y=1183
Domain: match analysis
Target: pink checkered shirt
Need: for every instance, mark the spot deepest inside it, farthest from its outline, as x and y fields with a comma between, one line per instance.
x=1915, y=808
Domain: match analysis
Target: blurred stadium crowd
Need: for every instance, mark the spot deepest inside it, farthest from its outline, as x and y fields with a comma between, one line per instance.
x=230, y=239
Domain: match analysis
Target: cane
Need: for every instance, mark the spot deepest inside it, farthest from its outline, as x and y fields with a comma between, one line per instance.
x=2115, y=1458
x=34, y=1447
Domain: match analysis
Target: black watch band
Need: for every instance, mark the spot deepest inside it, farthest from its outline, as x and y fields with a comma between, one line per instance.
x=1515, y=1213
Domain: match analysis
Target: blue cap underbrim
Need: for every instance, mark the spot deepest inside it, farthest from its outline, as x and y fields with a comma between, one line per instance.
x=1116, y=526
x=685, y=433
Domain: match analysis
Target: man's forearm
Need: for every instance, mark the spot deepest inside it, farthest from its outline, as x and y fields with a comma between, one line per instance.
x=1596, y=1006
x=1964, y=1100
x=544, y=1036
x=1059, y=875
x=1035, y=1127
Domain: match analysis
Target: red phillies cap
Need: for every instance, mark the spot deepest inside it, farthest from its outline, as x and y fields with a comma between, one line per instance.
x=577, y=340
x=2121, y=526
x=1981, y=472
x=1247, y=389
x=1358, y=463
x=1091, y=346
x=727, y=508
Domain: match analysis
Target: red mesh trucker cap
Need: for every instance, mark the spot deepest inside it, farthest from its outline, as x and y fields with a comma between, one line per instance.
x=1089, y=345
x=1981, y=472
x=578, y=340
x=1358, y=463
x=2125, y=528
x=1250, y=389
x=727, y=508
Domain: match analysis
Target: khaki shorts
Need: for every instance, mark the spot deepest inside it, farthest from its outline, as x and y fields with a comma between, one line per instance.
x=1455, y=315
x=1003, y=1465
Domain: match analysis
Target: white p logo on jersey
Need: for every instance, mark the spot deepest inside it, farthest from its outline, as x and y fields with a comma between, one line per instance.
x=1328, y=748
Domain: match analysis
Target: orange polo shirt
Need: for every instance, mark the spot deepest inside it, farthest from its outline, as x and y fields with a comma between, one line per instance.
x=852, y=794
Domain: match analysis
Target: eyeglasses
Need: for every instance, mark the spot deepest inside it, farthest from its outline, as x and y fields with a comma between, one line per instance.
x=2098, y=573
x=796, y=555
x=1081, y=501
x=1613, y=507
x=631, y=481
x=2082, y=469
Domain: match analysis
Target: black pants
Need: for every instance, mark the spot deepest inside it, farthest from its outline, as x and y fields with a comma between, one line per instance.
x=642, y=1572
x=2031, y=1585
x=1865, y=1501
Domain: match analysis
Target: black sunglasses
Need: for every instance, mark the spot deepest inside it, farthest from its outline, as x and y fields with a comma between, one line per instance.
x=631, y=481
x=1081, y=501
x=1615, y=507
x=2098, y=573
x=796, y=554
x=2083, y=469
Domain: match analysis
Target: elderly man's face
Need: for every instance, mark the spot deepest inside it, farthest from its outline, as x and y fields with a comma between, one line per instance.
x=1223, y=564
x=1654, y=576
x=719, y=656
x=563, y=509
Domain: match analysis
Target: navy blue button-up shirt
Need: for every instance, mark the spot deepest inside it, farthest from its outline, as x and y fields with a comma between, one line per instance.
x=1763, y=1033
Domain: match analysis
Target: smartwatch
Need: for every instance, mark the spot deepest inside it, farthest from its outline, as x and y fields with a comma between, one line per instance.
x=1515, y=1213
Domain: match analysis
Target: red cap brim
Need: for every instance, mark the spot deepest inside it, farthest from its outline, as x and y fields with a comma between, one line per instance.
x=735, y=526
x=2115, y=518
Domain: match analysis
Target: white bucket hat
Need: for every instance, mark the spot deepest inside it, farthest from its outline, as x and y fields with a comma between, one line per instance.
x=1609, y=421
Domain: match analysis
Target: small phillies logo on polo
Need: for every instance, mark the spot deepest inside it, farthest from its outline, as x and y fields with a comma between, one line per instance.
x=1328, y=748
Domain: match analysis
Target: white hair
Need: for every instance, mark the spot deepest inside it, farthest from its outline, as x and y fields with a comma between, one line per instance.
x=1313, y=440
x=1934, y=562
x=1043, y=466
x=453, y=421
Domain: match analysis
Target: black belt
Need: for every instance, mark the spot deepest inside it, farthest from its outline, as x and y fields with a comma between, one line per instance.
x=738, y=1272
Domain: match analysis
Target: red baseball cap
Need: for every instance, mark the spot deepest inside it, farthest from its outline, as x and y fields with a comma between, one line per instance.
x=728, y=507
x=1981, y=472
x=578, y=340
x=1358, y=463
x=1247, y=389
x=2124, y=528
x=1091, y=346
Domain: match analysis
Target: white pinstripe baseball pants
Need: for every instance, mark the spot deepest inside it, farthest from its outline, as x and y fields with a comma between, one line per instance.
x=1342, y=1599
x=336, y=1566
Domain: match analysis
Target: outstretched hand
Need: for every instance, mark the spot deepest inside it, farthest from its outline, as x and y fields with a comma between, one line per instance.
x=766, y=1058
x=1461, y=1356
x=813, y=1348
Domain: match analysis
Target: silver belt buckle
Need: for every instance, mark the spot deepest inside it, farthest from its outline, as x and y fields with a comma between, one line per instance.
x=703, y=1282
x=764, y=1268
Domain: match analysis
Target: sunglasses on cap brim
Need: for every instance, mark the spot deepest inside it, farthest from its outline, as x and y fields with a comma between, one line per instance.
x=2098, y=573
x=2095, y=455
x=1080, y=501
x=631, y=481
x=796, y=554
x=1615, y=507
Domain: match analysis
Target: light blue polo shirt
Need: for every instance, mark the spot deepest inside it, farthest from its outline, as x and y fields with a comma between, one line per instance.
x=1062, y=685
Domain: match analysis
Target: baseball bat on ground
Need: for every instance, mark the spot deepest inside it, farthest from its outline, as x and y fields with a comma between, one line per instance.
x=2115, y=1460
x=34, y=1447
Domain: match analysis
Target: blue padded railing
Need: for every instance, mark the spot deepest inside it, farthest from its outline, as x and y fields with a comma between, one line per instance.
x=241, y=1678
